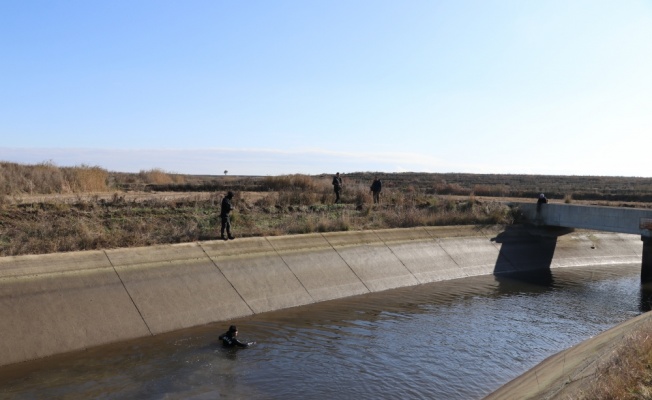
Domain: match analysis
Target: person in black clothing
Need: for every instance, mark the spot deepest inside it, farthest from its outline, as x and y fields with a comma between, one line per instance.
x=226, y=209
x=542, y=200
x=229, y=338
x=376, y=186
x=337, y=186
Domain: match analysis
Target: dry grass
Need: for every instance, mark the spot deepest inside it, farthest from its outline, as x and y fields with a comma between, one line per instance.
x=627, y=374
x=157, y=176
x=287, y=204
x=87, y=179
x=46, y=178
x=87, y=223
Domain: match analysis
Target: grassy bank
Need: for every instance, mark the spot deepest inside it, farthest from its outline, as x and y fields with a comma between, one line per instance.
x=97, y=223
x=624, y=374
x=38, y=215
x=46, y=209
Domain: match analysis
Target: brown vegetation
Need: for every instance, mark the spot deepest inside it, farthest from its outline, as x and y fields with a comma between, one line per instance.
x=626, y=374
x=98, y=223
x=101, y=212
x=46, y=178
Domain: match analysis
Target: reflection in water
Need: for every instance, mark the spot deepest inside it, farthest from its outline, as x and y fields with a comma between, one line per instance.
x=457, y=339
x=532, y=281
x=646, y=297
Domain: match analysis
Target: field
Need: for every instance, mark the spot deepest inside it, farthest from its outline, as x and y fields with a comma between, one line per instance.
x=45, y=208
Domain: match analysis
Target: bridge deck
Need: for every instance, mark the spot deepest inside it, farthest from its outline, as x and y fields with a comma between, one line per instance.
x=610, y=219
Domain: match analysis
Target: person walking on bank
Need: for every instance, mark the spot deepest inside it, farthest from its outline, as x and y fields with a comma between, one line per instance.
x=376, y=186
x=226, y=209
x=337, y=186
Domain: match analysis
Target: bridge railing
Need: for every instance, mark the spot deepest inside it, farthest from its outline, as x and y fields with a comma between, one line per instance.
x=609, y=219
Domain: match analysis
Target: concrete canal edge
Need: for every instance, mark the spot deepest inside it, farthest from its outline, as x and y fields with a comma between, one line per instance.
x=563, y=375
x=62, y=302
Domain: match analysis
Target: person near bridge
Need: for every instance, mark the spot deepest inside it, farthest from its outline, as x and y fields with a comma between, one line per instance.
x=542, y=200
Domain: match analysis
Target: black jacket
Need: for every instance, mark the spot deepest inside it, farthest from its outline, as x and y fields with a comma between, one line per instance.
x=227, y=206
x=230, y=341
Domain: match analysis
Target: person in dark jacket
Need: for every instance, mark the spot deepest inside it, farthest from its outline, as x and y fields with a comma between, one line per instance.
x=226, y=209
x=337, y=186
x=376, y=187
x=542, y=200
x=229, y=338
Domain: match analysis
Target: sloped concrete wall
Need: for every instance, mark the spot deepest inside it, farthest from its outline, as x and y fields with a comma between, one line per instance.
x=60, y=302
x=565, y=374
x=56, y=303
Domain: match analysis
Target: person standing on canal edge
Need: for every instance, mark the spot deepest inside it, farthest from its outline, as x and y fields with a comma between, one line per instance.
x=376, y=186
x=229, y=338
x=542, y=200
x=226, y=209
x=337, y=186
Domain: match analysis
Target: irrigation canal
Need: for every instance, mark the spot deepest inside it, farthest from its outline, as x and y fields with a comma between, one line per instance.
x=458, y=339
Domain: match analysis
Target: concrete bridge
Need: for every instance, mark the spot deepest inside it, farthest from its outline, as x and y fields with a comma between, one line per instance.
x=611, y=219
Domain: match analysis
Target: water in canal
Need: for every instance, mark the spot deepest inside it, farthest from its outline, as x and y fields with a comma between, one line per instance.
x=458, y=339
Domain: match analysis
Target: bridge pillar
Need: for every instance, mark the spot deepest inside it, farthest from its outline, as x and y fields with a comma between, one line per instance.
x=646, y=264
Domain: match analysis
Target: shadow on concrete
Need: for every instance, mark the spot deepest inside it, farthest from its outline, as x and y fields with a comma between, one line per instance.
x=525, y=258
x=525, y=249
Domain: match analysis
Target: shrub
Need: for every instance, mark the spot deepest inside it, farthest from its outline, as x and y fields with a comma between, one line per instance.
x=86, y=179
x=289, y=182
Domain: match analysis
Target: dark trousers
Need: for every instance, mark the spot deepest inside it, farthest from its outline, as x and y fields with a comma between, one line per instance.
x=226, y=224
x=376, y=197
x=337, y=194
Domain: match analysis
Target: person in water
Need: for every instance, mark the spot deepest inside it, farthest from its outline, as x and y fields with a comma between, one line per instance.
x=229, y=338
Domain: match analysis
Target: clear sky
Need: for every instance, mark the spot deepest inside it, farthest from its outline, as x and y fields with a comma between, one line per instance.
x=280, y=87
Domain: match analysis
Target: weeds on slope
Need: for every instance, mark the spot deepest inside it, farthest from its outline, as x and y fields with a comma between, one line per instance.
x=627, y=374
x=90, y=224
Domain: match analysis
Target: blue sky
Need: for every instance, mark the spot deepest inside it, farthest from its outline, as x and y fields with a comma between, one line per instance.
x=282, y=87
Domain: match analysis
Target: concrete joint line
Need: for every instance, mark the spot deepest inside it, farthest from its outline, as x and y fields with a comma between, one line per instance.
x=227, y=279
x=347, y=264
x=290, y=269
x=438, y=243
x=128, y=294
x=397, y=257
